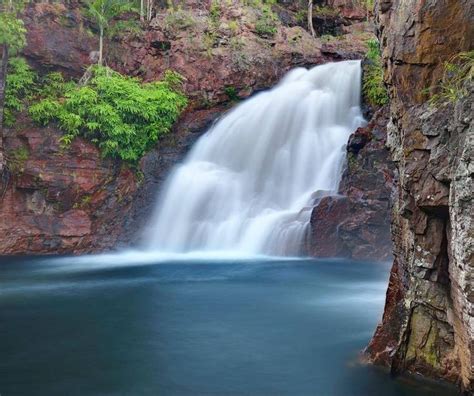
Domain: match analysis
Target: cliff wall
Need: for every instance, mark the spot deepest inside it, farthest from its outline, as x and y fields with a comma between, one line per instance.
x=428, y=323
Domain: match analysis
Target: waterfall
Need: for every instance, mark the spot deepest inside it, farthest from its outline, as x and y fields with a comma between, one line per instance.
x=248, y=184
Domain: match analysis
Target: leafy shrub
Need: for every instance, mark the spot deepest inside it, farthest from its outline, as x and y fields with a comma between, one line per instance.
x=20, y=86
x=123, y=116
x=53, y=85
x=373, y=85
x=266, y=25
x=458, y=72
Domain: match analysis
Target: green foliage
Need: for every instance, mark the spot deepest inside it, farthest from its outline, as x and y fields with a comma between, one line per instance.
x=301, y=15
x=53, y=85
x=266, y=25
x=367, y=4
x=215, y=12
x=20, y=86
x=120, y=29
x=123, y=116
x=458, y=73
x=102, y=11
x=231, y=93
x=373, y=85
x=234, y=27
x=12, y=29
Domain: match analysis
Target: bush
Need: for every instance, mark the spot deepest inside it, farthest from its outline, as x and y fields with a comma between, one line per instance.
x=373, y=86
x=20, y=86
x=123, y=116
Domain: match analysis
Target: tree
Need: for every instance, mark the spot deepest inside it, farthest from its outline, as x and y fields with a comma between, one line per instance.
x=149, y=9
x=12, y=39
x=102, y=11
x=310, y=18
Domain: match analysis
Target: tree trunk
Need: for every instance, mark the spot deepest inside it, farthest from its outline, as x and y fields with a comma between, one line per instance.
x=3, y=86
x=101, y=45
x=310, y=18
x=150, y=9
x=142, y=13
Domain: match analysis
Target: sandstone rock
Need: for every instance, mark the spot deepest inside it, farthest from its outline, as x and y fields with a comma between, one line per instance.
x=428, y=323
x=356, y=223
x=61, y=201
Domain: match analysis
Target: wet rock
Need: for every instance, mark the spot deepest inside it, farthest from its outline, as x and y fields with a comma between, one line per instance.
x=356, y=223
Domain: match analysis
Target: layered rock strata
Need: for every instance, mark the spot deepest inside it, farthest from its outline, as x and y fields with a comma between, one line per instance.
x=428, y=323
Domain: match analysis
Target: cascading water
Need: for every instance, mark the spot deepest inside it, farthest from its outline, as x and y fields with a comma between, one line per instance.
x=248, y=183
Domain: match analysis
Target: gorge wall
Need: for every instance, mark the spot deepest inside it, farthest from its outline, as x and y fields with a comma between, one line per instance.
x=428, y=323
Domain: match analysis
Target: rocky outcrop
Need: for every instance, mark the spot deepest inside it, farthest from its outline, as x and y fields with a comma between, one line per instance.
x=428, y=323
x=356, y=222
x=60, y=200
x=214, y=52
x=58, y=38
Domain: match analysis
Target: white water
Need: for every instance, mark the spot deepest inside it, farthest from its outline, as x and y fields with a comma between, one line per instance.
x=248, y=184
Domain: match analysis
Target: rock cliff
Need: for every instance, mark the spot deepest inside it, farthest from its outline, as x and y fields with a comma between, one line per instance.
x=428, y=323
x=356, y=222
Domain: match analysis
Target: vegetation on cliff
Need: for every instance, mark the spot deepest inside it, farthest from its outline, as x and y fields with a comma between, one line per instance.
x=20, y=86
x=458, y=72
x=102, y=11
x=120, y=114
x=373, y=84
x=12, y=39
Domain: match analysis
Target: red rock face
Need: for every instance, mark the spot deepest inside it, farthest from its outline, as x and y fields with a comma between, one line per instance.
x=58, y=38
x=61, y=200
x=356, y=223
x=427, y=325
x=348, y=9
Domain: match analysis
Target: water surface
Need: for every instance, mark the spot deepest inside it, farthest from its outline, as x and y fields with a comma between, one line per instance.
x=264, y=327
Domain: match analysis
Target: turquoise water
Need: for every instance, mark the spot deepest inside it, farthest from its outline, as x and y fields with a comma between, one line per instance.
x=192, y=328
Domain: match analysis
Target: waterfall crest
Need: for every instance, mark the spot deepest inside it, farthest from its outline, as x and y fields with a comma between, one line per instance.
x=248, y=183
